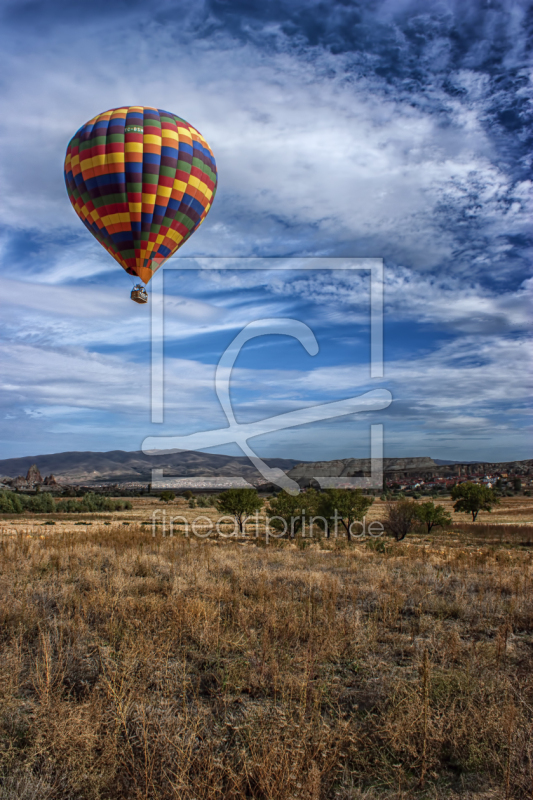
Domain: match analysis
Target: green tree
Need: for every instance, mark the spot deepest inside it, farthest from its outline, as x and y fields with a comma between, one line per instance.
x=402, y=518
x=91, y=503
x=287, y=511
x=346, y=506
x=42, y=503
x=432, y=515
x=473, y=498
x=517, y=484
x=240, y=504
x=10, y=503
x=167, y=497
x=15, y=503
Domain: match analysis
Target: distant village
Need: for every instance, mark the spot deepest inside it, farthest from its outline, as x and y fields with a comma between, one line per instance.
x=513, y=476
x=501, y=480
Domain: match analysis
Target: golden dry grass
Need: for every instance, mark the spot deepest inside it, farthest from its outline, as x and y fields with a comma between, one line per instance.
x=135, y=667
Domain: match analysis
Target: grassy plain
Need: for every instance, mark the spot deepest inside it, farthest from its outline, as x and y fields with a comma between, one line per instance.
x=140, y=667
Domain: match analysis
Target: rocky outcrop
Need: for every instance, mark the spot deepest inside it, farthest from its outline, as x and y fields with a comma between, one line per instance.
x=34, y=476
x=402, y=469
x=33, y=480
x=360, y=467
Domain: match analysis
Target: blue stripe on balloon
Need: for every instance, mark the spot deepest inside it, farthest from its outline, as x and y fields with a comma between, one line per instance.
x=170, y=152
x=186, y=148
x=151, y=158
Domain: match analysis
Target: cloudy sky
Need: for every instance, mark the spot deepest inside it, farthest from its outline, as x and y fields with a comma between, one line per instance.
x=391, y=129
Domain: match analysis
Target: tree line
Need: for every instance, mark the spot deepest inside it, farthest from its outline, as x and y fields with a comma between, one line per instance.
x=43, y=503
x=341, y=510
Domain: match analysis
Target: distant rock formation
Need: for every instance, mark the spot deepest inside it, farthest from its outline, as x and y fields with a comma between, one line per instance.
x=32, y=481
x=360, y=467
x=404, y=469
x=34, y=476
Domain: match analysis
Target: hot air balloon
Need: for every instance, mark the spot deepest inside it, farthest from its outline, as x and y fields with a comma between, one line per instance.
x=142, y=181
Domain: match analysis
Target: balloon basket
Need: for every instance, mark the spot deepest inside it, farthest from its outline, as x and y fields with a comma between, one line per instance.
x=139, y=294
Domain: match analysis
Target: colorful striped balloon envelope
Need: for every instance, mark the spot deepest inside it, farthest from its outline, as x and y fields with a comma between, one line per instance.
x=142, y=181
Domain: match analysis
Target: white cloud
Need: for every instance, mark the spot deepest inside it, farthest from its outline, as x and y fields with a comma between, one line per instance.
x=442, y=300
x=459, y=381
x=294, y=141
x=97, y=316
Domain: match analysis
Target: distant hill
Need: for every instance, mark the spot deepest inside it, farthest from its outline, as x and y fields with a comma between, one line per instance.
x=119, y=466
x=443, y=462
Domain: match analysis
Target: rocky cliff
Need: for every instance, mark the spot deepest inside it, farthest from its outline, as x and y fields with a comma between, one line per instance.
x=405, y=469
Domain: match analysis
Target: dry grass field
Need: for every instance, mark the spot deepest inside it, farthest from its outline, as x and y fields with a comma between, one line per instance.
x=171, y=667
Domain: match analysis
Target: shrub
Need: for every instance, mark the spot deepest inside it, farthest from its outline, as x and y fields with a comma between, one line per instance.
x=14, y=503
x=10, y=503
x=91, y=503
x=167, y=497
x=205, y=501
x=432, y=515
x=42, y=503
x=402, y=518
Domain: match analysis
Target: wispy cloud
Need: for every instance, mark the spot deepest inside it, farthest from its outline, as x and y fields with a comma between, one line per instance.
x=446, y=301
x=459, y=388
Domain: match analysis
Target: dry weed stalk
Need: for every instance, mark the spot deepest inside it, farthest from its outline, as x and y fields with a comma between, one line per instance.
x=171, y=668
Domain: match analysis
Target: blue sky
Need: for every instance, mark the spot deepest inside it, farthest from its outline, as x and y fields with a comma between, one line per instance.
x=398, y=130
